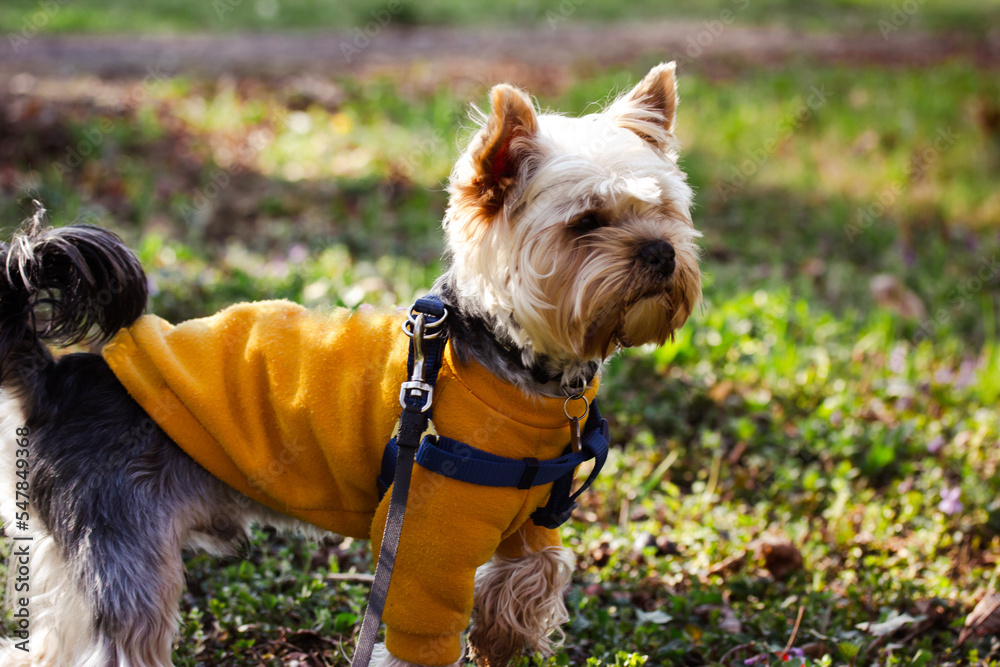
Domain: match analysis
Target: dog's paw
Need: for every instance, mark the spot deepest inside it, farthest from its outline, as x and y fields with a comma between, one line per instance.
x=519, y=605
x=382, y=658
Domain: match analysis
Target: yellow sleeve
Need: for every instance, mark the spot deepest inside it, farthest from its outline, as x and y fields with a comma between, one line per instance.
x=450, y=529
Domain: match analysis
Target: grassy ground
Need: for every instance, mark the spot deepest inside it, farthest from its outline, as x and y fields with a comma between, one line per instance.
x=162, y=16
x=804, y=403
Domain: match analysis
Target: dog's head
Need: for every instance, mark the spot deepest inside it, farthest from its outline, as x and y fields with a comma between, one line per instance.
x=573, y=235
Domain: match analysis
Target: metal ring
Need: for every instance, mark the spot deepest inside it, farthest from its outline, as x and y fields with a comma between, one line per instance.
x=410, y=320
x=444, y=316
x=586, y=408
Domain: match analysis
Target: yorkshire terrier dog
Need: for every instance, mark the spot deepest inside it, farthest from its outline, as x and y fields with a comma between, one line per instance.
x=568, y=239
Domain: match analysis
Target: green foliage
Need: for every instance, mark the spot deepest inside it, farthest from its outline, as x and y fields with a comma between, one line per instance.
x=793, y=404
x=230, y=15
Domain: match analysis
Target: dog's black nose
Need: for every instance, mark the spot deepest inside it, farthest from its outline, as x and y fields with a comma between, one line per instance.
x=659, y=257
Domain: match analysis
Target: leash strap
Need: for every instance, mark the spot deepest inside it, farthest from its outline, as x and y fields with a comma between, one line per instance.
x=424, y=326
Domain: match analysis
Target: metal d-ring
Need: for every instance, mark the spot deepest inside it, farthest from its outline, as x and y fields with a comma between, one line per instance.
x=574, y=397
x=411, y=320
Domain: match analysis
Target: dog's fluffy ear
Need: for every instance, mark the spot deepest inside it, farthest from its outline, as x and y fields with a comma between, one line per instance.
x=504, y=142
x=650, y=108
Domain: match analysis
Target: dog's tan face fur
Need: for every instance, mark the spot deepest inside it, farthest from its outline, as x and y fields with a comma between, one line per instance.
x=549, y=218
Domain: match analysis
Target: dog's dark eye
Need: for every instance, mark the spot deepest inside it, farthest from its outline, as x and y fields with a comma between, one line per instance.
x=586, y=223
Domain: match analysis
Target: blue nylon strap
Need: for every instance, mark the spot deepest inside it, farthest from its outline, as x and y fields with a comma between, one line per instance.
x=413, y=420
x=561, y=504
x=460, y=461
x=432, y=307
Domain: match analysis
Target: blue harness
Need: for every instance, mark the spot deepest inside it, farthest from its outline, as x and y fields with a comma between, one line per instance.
x=458, y=460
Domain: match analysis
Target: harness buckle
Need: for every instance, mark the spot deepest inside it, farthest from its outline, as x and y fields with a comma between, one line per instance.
x=554, y=517
x=416, y=389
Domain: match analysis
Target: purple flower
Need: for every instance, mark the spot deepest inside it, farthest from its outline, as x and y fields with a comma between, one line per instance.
x=784, y=656
x=793, y=653
x=934, y=445
x=944, y=375
x=950, y=503
x=966, y=373
x=897, y=360
x=278, y=267
x=297, y=253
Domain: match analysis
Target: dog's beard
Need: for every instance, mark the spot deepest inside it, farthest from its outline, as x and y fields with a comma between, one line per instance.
x=645, y=317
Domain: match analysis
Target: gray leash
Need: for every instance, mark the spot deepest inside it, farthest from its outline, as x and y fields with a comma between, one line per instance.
x=386, y=558
x=416, y=396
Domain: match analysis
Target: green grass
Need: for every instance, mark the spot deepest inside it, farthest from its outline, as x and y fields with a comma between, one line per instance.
x=792, y=405
x=160, y=16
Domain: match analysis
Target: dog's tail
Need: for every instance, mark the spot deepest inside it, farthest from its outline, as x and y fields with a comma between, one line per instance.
x=62, y=286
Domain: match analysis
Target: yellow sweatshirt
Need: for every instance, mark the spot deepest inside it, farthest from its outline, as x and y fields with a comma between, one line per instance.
x=293, y=408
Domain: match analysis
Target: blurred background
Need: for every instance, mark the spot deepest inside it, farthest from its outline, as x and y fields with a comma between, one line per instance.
x=807, y=473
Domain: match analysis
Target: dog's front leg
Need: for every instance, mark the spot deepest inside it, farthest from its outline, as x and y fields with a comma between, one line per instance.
x=519, y=597
x=451, y=529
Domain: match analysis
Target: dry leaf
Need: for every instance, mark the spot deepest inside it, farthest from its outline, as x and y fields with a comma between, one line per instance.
x=727, y=617
x=729, y=623
x=642, y=540
x=781, y=558
x=984, y=619
x=658, y=617
x=889, y=626
x=666, y=547
x=721, y=391
x=866, y=142
x=601, y=554
x=890, y=292
x=730, y=565
x=815, y=650
x=813, y=267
